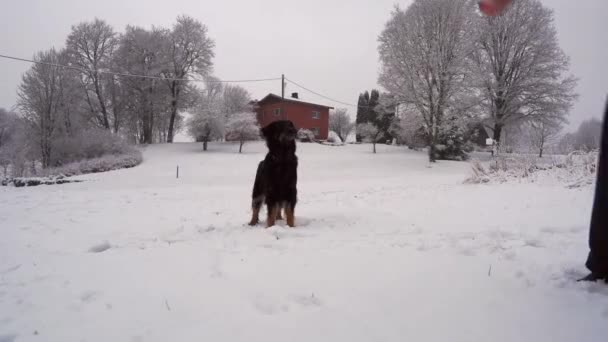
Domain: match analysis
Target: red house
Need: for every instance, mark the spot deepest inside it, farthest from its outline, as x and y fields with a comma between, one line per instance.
x=311, y=116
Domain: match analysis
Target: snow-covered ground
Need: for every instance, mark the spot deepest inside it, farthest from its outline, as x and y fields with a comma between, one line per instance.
x=387, y=249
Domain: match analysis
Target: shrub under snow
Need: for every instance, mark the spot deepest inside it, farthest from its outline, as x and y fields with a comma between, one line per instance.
x=102, y=164
x=574, y=170
x=89, y=144
x=305, y=135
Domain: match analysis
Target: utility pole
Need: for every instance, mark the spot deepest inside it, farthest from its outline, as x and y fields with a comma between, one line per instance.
x=283, y=86
x=283, y=114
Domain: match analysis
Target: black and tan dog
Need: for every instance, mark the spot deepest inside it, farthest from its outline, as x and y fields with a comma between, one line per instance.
x=277, y=176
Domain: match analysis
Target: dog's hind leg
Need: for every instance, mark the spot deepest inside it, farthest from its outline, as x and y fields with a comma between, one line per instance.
x=273, y=211
x=290, y=216
x=279, y=216
x=290, y=207
x=256, y=206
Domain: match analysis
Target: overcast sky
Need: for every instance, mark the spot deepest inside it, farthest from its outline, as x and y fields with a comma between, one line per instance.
x=327, y=45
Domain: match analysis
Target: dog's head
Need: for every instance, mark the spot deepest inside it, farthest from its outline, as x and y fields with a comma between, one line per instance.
x=280, y=133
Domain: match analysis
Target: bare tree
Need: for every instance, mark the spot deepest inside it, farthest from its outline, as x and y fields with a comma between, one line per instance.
x=521, y=67
x=408, y=126
x=141, y=52
x=7, y=122
x=340, y=122
x=589, y=135
x=543, y=132
x=242, y=127
x=424, y=54
x=41, y=99
x=190, y=52
x=90, y=47
x=236, y=99
x=370, y=133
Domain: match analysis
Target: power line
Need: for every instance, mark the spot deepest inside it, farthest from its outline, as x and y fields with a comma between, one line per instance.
x=120, y=74
x=71, y=67
x=323, y=96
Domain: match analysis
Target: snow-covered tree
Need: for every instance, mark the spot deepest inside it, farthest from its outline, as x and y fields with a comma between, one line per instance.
x=366, y=107
x=7, y=123
x=207, y=122
x=370, y=133
x=235, y=99
x=408, y=127
x=242, y=127
x=586, y=138
x=90, y=47
x=424, y=52
x=521, y=68
x=340, y=123
x=140, y=52
x=41, y=99
x=543, y=132
x=190, y=53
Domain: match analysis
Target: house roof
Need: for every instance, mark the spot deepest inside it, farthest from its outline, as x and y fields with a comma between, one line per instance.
x=289, y=99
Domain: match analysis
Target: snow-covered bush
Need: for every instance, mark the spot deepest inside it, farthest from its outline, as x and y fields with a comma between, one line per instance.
x=340, y=123
x=242, y=127
x=88, y=144
x=305, y=135
x=105, y=163
x=452, y=143
x=35, y=181
x=334, y=138
x=574, y=170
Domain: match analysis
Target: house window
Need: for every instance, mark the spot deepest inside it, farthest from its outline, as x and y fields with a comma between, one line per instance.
x=316, y=131
x=277, y=112
x=316, y=115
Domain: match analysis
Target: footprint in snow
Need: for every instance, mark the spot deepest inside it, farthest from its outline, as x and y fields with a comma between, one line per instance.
x=100, y=248
x=8, y=338
x=89, y=296
x=267, y=306
x=307, y=301
x=533, y=242
x=10, y=269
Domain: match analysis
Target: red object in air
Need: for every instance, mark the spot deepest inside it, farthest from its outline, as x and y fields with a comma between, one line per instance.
x=493, y=7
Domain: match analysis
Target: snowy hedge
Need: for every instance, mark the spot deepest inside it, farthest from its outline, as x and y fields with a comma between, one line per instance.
x=57, y=175
x=102, y=164
x=574, y=170
x=35, y=181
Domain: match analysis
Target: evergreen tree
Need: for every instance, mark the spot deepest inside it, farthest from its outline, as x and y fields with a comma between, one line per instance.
x=362, y=112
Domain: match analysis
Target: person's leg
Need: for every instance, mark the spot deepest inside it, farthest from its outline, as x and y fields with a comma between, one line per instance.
x=597, y=262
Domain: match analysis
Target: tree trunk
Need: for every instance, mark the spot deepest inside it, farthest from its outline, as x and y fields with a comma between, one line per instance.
x=174, y=103
x=46, y=154
x=115, y=107
x=102, y=105
x=204, y=144
x=497, y=134
x=432, y=153
x=241, y=146
x=541, y=153
x=374, y=147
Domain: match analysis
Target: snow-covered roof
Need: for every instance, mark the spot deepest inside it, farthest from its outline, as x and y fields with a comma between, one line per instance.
x=291, y=99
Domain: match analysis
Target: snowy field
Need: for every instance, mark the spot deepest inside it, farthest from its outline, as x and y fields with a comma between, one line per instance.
x=386, y=249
